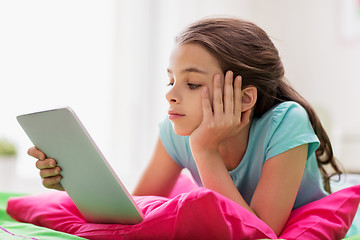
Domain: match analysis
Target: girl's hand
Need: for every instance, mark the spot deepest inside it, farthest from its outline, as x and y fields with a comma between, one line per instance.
x=225, y=119
x=49, y=172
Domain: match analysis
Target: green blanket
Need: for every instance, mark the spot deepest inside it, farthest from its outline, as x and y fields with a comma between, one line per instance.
x=356, y=237
x=11, y=229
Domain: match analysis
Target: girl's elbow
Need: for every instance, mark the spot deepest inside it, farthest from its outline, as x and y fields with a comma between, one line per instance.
x=276, y=224
x=277, y=227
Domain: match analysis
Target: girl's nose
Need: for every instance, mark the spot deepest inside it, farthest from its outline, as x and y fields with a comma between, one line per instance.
x=172, y=97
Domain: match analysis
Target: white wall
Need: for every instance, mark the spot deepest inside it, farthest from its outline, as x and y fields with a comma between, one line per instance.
x=111, y=56
x=56, y=53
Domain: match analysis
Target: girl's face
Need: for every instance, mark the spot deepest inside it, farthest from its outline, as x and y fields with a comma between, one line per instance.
x=191, y=68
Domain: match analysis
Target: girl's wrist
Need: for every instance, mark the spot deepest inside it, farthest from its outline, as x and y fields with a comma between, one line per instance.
x=204, y=149
x=203, y=153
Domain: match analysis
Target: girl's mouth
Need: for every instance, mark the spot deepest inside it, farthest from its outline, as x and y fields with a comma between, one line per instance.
x=174, y=115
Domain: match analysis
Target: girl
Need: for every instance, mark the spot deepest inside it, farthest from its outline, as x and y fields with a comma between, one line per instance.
x=235, y=123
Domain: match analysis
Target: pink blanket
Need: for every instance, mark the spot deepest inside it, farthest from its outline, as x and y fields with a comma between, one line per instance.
x=192, y=213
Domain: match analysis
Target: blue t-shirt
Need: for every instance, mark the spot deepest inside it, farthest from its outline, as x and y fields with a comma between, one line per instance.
x=282, y=128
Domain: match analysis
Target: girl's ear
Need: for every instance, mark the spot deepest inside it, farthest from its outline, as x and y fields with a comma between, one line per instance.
x=249, y=97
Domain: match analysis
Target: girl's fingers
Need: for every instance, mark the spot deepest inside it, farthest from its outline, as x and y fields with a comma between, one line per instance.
x=36, y=153
x=237, y=97
x=44, y=173
x=217, y=96
x=229, y=93
x=52, y=182
x=206, y=105
x=47, y=163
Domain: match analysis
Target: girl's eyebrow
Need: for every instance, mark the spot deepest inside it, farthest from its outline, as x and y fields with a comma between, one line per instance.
x=190, y=70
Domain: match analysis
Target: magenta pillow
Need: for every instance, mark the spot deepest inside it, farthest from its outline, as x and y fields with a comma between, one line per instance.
x=327, y=218
x=200, y=213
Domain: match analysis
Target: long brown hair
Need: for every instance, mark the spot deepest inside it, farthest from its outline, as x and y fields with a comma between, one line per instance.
x=246, y=49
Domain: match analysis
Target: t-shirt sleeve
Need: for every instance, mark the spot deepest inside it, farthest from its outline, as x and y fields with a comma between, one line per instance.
x=174, y=144
x=290, y=127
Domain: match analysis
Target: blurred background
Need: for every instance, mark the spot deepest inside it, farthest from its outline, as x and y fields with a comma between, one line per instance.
x=107, y=60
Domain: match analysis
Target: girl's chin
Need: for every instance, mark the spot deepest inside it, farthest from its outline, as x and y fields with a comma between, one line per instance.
x=182, y=132
x=183, y=129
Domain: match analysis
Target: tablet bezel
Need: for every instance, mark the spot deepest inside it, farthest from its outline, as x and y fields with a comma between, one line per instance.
x=88, y=178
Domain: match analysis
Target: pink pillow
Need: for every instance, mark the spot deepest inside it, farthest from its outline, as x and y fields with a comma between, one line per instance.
x=195, y=215
x=327, y=218
x=198, y=214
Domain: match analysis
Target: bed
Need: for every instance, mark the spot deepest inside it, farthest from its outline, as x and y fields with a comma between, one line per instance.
x=189, y=213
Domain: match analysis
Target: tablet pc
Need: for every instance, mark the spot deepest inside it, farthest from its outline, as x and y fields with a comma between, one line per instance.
x=88, y=178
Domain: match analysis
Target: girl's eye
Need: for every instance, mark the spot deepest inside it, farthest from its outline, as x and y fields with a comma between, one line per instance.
x=170, y=84
x=193, y=86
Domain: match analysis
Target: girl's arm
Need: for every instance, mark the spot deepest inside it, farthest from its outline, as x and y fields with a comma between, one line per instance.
x=279, y=183
x=276, y=191
x=281, y=175
x=160, y=175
